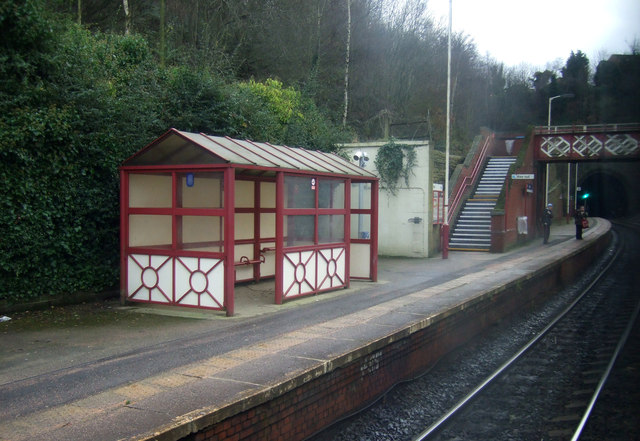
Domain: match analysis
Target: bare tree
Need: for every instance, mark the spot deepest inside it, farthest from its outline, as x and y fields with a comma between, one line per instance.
x=162, y=32
x=346, y=66
x=127, y=17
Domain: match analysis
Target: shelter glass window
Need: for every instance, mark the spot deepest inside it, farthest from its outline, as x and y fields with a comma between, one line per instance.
x=361, y=195
x=331, y=193
x=299, y=230
x=330, y=228
x=360, y=226
x=299, y=192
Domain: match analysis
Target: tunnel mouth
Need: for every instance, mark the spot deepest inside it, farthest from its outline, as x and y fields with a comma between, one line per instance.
x=603, y=195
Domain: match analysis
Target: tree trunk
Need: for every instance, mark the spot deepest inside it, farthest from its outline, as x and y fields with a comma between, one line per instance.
x=315, y=58
x=79, y=12
x=162, y=36
x=127, y=17
x=346, y=66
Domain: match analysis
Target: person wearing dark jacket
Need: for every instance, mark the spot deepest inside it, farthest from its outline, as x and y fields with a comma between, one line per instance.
x=581, y=221
x=547, y=216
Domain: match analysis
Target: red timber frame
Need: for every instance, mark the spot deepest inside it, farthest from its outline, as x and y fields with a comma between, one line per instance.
x=317, y=267
x=372, y=240
x=173, y=252
x=300, y=269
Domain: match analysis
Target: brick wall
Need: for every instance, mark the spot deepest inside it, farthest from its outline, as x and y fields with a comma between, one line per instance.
x=313, y=405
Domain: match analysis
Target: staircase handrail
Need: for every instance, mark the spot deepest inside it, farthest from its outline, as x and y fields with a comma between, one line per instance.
x=470, y=179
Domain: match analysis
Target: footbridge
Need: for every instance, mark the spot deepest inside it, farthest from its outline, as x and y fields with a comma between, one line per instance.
x=579, y=143
x=593, y=165
x=568, y=166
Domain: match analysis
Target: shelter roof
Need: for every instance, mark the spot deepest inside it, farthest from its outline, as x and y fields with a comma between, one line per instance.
x=176, y=147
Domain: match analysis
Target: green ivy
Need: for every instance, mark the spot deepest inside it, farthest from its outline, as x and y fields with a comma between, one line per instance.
x=73, y=106
x=394, y=161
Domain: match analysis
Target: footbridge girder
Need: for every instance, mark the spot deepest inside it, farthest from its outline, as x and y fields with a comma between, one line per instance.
x=578, y=143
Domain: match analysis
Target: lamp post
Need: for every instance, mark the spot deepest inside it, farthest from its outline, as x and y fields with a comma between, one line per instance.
x=564, y=95
x=362, y=158
x=445, y=226
x=546, y=187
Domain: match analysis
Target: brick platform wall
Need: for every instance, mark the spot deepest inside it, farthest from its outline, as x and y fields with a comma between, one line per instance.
x=313, y=405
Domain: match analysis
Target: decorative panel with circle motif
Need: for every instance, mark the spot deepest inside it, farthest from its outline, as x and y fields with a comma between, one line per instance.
x=299, y=273
x=150, y=278
x=199, y=282
x=331, y=268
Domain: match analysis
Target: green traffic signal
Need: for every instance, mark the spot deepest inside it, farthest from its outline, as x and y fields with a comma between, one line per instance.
x=585, y=196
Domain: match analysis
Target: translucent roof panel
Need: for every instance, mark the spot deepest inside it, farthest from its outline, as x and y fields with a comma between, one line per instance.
x=184, y=148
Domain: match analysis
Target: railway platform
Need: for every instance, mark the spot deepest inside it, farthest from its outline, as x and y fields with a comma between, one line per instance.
x=271, y=371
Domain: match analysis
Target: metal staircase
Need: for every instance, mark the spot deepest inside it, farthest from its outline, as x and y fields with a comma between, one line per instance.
x=472, y=231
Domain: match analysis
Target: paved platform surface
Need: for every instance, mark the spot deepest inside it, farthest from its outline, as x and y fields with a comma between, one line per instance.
x=138, y=371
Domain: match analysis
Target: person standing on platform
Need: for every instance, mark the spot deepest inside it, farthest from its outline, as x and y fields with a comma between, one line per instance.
x=581, y=221
x=547, y=216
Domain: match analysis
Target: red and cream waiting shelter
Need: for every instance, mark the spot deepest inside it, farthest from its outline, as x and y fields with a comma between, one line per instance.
x=201, y=213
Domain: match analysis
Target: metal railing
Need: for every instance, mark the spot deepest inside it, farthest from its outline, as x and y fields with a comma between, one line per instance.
x=469, y=180
x=592, y=128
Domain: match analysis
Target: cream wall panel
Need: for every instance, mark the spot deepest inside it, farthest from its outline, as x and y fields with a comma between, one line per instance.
x=149, y=190
x=201, y=229
x=146, y=230
x=244, y=194
x=268, y=194
x=205, y=193
x=359, y=260
x=243, y=226
x=267, y=225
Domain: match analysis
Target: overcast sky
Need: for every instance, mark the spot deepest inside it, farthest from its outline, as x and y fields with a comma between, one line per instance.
x=539, y=32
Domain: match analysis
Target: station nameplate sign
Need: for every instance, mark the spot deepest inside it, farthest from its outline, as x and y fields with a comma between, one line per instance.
x=522, y=176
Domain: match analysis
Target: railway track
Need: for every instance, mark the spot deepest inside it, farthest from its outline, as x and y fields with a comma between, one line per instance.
x=549, y=388
x=547, y=391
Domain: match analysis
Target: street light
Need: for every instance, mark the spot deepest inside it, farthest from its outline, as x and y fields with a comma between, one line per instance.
x=564, y=95
x=362, y=158
x=445, y=226
x=546, y=189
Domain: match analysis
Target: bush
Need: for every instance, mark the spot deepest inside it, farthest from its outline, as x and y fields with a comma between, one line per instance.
x=73, y=107
x=63, y=133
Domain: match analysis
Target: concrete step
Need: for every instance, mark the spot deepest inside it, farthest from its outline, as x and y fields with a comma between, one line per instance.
x=473, y=217
x=471, y=236
x=479, y=223
x=457, y=240
x=472, y=231
x=463, y=231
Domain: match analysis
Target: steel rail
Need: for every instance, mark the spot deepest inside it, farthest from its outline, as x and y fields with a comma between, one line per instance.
x=498, y=372
x=607, y=372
